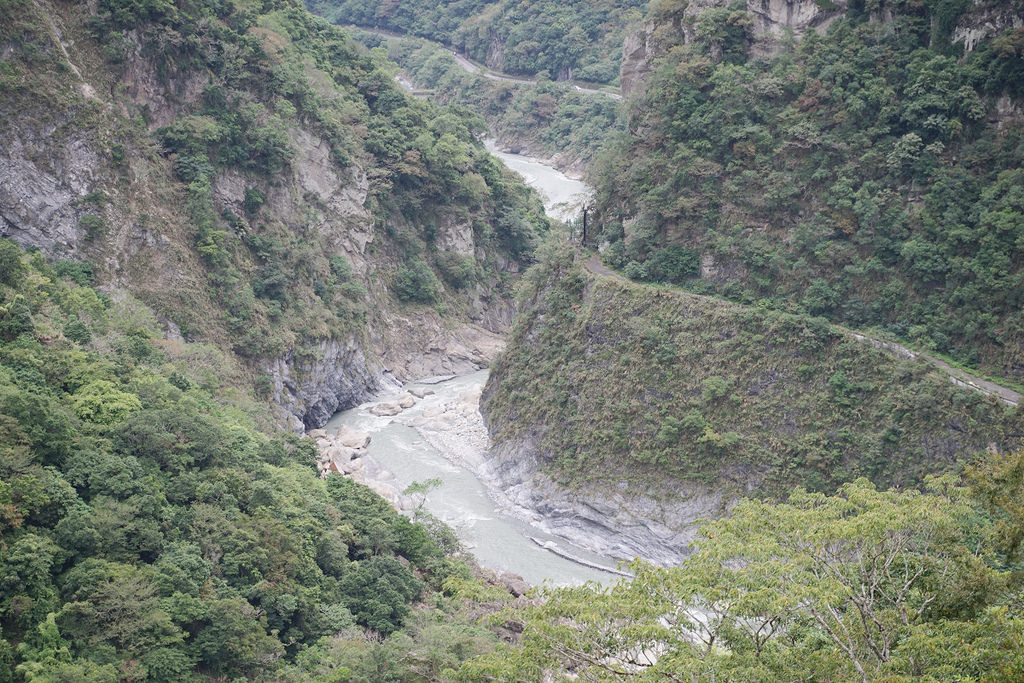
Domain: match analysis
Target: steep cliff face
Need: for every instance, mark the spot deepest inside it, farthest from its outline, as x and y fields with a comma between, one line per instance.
x=218, y=171
x=637, y=54
x=772, y=22
x=330, y=376
x=39, y=198
x=614, y=518
x=621, y=410
x=987, y=19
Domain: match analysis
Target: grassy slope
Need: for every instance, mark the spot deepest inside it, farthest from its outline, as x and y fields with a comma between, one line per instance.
x=636, y=382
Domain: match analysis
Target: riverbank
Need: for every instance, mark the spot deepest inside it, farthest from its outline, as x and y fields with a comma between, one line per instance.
x=441, y=436
x=563, y=194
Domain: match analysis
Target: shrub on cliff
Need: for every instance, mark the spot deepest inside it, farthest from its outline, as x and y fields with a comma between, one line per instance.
x=417, y=283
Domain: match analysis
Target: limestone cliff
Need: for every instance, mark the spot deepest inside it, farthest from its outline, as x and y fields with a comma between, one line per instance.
x=987, y=19
x=773, y=21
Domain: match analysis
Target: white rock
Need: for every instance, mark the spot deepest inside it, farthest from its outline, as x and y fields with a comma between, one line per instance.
x=354, y=467
x=352, y=438
x=420, y=392
x=407, y=401
x=385, y=409
x=385, y=491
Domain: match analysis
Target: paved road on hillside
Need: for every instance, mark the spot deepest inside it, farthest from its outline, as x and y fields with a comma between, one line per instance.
x=959, y=377
x=474, y=68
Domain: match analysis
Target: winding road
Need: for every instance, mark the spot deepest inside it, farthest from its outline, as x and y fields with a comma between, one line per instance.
x=957, y=376
x=472, y=67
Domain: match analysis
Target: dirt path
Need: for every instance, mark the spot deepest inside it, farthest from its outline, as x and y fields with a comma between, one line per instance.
x=957, y=376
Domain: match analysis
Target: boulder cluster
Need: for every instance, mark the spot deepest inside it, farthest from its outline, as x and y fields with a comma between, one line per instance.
x=397, y=405
x=342, y=452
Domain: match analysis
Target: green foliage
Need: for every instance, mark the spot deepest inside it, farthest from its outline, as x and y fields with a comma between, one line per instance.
x=569, y=40
x=673, y=264
x=857, y=176
x=101, y=402
x=253, y=200
x=546, y=117
x=79, y=272
x=94, y=226
x=649, y=384
x=378, y=592
x=864, y=585
x=151, y=531
x=457, y=270
x=417, y=283
x=11, y=267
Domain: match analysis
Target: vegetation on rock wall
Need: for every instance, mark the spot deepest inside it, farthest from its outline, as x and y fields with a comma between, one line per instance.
x=264, y=138
x=636, y=383
x=871, y=175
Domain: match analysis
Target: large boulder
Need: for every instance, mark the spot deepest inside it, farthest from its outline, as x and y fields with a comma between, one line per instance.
x=385, y=409
x=352, y=438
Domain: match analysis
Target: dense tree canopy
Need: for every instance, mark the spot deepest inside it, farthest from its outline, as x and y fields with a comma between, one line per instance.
x=864, y=175
x=578, y=39
x=863, y=585
x=150, y=529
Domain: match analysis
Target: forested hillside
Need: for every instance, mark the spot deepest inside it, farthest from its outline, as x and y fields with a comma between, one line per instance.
x=567, y=40
x=545, y=119
x=257, y=179
x=219, y=220
x=870, y=174
x=151, y=530
x=613, y=383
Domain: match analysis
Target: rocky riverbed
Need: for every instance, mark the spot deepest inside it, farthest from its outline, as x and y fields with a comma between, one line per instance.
x=432, y=430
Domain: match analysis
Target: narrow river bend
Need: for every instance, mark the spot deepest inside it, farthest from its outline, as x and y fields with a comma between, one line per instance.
x=443, y=437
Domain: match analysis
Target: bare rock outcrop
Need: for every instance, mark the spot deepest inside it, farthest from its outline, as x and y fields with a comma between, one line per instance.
x=615, y=521
x=637, y=53
x=987, y=19
x=40, y=202
x=333, y=375
x=773, y=18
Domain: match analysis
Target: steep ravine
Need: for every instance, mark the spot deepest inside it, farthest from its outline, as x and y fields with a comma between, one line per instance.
x=86, y=174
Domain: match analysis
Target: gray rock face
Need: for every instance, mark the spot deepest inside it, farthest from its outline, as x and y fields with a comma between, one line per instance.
x=456, y=236
x=614, y=521
x=163, y=96
x=495, y=58
x=41, y=188
x=311, y=389
x=637, y=53
x=773, y=17
x=987, y=19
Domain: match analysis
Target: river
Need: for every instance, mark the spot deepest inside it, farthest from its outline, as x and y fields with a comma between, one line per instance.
x=562, y=195
x=442, y=437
